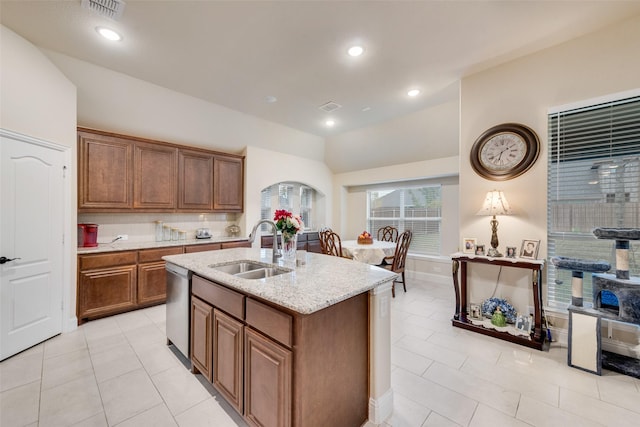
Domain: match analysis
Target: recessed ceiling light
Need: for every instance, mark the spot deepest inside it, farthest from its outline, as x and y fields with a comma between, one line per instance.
x=271, y=99
x=365, y=109
x=109, y=34
x=355, y=50
x=330, y=123
x=413, y=92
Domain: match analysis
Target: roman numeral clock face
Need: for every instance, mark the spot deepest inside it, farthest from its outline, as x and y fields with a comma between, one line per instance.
x=504, y=152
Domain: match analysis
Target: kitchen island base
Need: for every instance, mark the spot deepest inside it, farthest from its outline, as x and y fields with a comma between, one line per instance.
x=308, y=347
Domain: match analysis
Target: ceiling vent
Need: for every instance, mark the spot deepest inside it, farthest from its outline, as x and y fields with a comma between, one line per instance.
x=111, y=9
x=330, y=107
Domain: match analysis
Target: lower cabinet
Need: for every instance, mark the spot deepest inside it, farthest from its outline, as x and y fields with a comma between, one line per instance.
x=250, y=370
x=267, y=388
x=106, y=284
x=228, y=341
x=201, y=337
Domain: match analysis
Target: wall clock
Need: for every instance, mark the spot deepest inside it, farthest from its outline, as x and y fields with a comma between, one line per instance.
x=505, y=151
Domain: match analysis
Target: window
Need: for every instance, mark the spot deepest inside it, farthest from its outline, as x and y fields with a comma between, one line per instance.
x=594, y=181
x=417, y=209
x=292, y=196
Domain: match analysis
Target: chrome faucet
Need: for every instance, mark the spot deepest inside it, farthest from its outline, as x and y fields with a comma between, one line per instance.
x=252, y=236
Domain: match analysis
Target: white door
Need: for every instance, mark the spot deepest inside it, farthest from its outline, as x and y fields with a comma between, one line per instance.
x=31, y=235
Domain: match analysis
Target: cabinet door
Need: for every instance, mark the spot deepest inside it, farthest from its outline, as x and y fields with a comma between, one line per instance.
x=195, y=180
x=201, y=335
x=105, y=166
x=267, y=387
x=152, y=283
x=228, y=183
x=202, y=247
x=106, y=291
x=155, y=173
x=227, y=357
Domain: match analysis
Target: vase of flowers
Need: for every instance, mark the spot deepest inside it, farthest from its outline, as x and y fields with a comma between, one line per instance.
x=290, y=226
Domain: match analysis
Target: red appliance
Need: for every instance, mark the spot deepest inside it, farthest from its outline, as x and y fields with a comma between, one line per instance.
x=87, y=235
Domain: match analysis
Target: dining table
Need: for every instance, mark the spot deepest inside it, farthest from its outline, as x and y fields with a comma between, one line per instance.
x=372, y=253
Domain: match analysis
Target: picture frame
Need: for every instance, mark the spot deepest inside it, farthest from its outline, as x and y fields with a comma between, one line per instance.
x=529, y=249
x=475, y=311
x=479, y=249
x=469, y=245
x=511, y=252
x=523, y=323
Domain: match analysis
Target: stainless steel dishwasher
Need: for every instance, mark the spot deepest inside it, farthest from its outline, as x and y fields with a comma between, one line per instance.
x=178, y=307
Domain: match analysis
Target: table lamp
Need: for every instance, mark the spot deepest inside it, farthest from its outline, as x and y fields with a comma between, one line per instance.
x=494, y=204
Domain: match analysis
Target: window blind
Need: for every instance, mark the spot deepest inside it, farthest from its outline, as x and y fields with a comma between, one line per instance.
x=415, y=208
x=593, y=181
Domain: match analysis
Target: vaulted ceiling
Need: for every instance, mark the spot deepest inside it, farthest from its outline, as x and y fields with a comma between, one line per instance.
x=282, y=60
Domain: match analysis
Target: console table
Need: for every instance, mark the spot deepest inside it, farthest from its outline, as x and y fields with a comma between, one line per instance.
x=459, y=270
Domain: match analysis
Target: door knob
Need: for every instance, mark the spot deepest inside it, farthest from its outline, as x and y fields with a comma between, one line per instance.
x=5, y=259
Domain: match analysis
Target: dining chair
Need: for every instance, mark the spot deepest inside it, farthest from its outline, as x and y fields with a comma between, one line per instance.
x=322, y=236
x=396, y=262
x=331, y=244
x=387, y=234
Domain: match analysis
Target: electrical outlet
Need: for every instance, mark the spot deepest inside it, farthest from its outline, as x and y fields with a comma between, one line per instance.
x=122, y=237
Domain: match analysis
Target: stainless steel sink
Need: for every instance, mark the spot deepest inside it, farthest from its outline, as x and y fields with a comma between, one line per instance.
x=237, y=267
x=262, y=273
x=250, y=270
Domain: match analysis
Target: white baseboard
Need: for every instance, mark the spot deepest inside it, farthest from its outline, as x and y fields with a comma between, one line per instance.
x=70, y=324
x=430, y=277
x=380, y=409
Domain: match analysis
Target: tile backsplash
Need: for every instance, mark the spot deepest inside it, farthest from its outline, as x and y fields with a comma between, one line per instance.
x=141, y=227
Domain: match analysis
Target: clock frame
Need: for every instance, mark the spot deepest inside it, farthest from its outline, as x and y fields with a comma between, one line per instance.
x=488, y=140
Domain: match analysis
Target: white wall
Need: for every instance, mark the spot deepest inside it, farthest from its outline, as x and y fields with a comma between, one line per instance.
x=431, y=133
x=522, y=91
x=264, y=168
x=37, y=100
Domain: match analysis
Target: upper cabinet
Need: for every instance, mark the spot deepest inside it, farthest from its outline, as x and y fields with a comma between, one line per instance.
x=195, y=178
x=155, y=168
x=105, y=172
x=228, y=184
x=118, y=173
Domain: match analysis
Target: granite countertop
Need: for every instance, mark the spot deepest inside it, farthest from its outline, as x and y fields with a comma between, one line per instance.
x=323, y=281
x=130, y=246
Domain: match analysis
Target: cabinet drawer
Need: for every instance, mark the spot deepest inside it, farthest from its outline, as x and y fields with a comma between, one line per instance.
x=153, y=255
x=220, y=297
x=239, y=244
x=201, y=248
x=89, y=262
x=272, y=322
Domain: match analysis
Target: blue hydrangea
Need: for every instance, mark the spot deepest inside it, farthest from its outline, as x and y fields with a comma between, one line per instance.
x=490, y=305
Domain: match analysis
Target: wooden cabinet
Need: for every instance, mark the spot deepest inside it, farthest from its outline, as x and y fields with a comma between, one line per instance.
x=257, y=347
x=116, y=282
x=268, y=371
x=154, y=173
x=201, y=337
x=105, y=166
x=152, y=276
x=202, y=247
x=238, y=244
x=228, y=182
x=228, y=368
x=195, y=180
x=119, y=173
x=106, y=284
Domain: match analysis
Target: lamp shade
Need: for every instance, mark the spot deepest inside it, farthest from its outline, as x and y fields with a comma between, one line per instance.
x=495, y=204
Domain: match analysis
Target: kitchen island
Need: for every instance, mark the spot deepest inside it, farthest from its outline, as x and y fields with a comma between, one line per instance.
x=308, y=347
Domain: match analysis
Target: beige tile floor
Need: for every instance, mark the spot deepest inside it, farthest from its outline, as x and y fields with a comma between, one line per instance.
x=118, y=371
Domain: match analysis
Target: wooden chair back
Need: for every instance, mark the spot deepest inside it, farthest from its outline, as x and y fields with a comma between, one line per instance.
x=400, y=255
x=332, y=244
x=399, y=259
x=322, y=235
x=388, y=234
